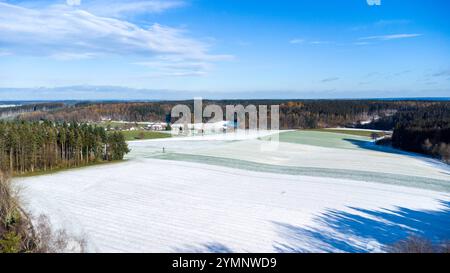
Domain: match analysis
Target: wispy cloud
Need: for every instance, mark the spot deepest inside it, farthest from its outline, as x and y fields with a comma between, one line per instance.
x=4, y=52
x=162, y=67
x=331, y=79
x=297, y=41
x=172, y=74
x=320, y=42
x=384, y=23
x=68, y=33
x=362, y=43
x=401, y=73
x=175, y=65
x=243, y=43
x=69, y=56
x=442, y=73
x=125, y=8
x=73, y=2
x=372, y=74
x=381, y=24
x=391, y=37
x=373, y=2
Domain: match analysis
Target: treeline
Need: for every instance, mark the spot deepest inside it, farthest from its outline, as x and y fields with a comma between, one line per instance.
x=94, y=112
x=40, y=146
x=28, y=108
x=294, y=114
x=424, y=130
x=311, y=114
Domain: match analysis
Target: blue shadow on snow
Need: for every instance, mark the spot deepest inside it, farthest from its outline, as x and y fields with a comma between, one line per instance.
x=383, y=227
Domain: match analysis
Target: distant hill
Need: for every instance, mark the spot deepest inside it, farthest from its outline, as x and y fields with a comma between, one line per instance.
x=115, y=93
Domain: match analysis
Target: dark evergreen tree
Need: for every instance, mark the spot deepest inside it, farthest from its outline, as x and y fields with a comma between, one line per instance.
x=32, y=146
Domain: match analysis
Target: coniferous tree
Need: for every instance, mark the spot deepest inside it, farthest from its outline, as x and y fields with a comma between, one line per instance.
x=33, y=146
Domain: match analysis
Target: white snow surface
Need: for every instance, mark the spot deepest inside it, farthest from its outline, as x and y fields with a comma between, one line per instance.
x=300, y=155
x=7, y=105
x=153, y=205
x=238, y=135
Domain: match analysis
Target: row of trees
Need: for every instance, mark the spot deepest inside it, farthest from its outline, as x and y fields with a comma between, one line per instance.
x=34, y=146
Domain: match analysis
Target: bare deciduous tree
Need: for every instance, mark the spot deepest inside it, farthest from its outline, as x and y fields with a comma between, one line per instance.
x=416, y=244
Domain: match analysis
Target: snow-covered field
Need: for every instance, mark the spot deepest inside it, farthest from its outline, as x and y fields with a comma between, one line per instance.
x=7, y=105
x=321, y=193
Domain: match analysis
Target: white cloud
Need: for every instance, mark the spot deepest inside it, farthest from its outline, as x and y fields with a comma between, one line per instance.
x=176, y=65
x=297, y=41
x=320, y=42
x=171, y=74
x=162, y=67
x=381, y=24
x=362, y=43
x=373, y=2
x=391, y=37
x=120, y=8
x=73, y=2
x=68, y=56
x=66, y=33
x=384, y=23
x=316, y=42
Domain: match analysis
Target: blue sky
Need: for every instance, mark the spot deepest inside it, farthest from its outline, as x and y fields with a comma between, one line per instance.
x=312, y=48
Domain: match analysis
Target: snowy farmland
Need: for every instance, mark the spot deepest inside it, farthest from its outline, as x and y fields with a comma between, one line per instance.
x=318, y=191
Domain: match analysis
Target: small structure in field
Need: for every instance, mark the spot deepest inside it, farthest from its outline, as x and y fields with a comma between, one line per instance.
x=156, y=126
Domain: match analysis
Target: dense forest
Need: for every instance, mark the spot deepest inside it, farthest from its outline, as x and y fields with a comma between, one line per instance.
x=424, y=130
x=40, y=146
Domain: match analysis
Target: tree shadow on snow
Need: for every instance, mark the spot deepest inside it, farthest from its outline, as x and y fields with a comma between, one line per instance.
x=369, y=145
x=364, y=230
